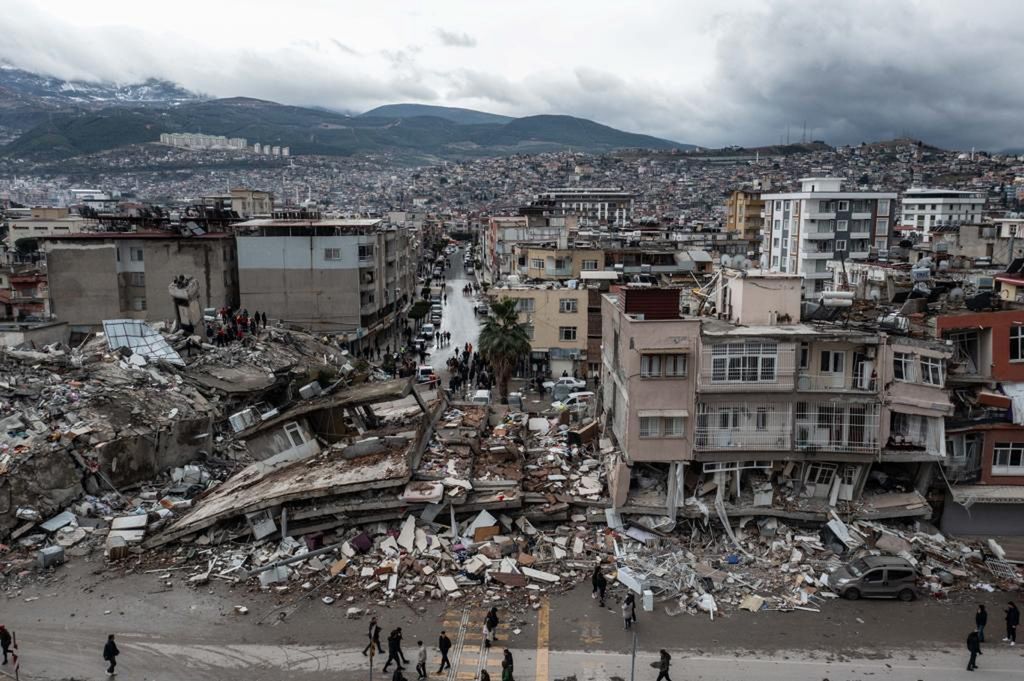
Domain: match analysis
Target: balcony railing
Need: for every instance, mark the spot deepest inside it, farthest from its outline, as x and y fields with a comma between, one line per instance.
x=815, y=235
x=819, y=255
x=830, y=382
x=819, y=215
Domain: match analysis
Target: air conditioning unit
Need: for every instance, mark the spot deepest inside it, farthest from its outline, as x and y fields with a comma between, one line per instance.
x=243, y=419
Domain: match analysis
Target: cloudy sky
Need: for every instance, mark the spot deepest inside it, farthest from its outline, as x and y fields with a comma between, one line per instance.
x=710, y=73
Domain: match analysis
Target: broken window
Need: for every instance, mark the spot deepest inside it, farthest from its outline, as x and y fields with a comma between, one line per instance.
x=965, y=350
x=819, y=473
x=294, y=432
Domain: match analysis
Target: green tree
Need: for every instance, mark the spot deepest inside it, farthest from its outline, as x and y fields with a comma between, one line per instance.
x=503, y=341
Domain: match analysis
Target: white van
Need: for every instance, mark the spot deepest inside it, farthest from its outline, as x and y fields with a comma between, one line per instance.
x=481, y=397
x=576, y=402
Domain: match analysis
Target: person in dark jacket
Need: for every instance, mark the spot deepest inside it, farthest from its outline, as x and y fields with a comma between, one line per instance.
x=1012, y=620
x=507, y=666
x=491, y=627
x=631, y=601
x=980, y=620
x=974, y=647
x=599, y=583
x=374, y=635
x=395, y=649
x=398, y=675
x=110, y=653
x=484, y=676
x=5, y=641
x=663, y=665
x=444, y=644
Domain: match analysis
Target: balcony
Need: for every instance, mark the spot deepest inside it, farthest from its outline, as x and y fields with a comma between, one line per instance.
x=558, y=271
x=816, y=274
x=739, y=375
x=860, y=235
x=860, y=215
x=816, y=215
x=819, y=255
x=815, y=235
x=743, y=426
x=859, y=255
x=814, y=382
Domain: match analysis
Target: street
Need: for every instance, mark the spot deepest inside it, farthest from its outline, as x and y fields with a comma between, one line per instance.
x=457, y=317
x=169, y=633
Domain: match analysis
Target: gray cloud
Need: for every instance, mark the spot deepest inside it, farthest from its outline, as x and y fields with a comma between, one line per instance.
x=455, y=38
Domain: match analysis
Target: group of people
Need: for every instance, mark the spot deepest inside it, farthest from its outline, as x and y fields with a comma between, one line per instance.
x=442, y=339
x=468, y=368
x=977, y=637
x=444, y=645
x=234, y=325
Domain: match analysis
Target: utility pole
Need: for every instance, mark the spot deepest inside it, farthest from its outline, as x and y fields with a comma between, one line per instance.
x=632, y=662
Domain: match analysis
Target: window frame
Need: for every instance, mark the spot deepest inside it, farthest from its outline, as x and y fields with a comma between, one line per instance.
x=332, y=254
x=563, y=335
x=933, y=371
x=292, y=428
x=905, y=360
x=1010, y=451
x=745, y=362
x=568, y=306
x=1016, y=340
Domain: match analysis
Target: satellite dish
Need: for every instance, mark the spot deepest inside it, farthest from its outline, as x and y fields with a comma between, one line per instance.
x=944, y=265
x=956, y=294
x=874, y=295
x=725, y=261
x=747, y=264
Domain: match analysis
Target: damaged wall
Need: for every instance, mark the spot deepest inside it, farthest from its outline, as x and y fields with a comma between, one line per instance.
x=46, y=482
x=133, y=459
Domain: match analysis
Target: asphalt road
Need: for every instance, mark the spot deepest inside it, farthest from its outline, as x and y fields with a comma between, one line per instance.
x=457, y=317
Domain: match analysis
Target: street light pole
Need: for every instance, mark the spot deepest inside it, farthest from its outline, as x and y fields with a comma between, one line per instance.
x=632, y=663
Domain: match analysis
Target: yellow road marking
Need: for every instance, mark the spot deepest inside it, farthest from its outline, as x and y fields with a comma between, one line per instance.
x=543, y=627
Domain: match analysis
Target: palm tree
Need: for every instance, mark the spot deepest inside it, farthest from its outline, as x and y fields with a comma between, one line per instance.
x=503, y=341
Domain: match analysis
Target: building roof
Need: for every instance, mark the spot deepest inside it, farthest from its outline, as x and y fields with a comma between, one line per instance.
x=328, y=222
x=148, y=234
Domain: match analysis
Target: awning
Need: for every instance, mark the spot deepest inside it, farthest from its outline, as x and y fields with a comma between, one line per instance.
x=670, y=413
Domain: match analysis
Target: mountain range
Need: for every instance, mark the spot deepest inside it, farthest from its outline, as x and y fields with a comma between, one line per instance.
x=54, y=119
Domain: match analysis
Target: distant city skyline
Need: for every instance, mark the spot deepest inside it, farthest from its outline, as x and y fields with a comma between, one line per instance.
x=714, y=74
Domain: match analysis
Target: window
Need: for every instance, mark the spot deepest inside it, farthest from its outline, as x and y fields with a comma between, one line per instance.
x=748, y=362
x=524, y=305
x=567, y=305
x=1016, y=343
x=762, y=418
x=840, y=245
x=138, y=304
x=805, y=352
x=589, y=265
x=832, y=361
x=366, y=251
x=883, y=207
x=528, y=330
x=844, y=205
x=675, y=365
x=1008, y=458
x=842, y=225
x=136, y=254
x=874, y=577
x=650, y=426
x=880, y=243
x=820, y=473
x=673, y=426
x=536, y=263
x=137, y=279
x=882, y=227
x=650, y=366
x=567, y=333
x=932, y=370
x=332, y=254
x=903, y=366
x=294, y=433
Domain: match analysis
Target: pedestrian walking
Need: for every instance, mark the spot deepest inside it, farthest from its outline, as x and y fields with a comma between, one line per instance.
x=631, y=599
x=627, y=615
x=421, y=660
x=599, y=583
x=1012, y=620
x=5, y=641
x=395, y=649
x=974, y=648
x=110, y=653
x=490, y=627
x=663, y=665
x=374, y=635
x=444, y=644
x=507, y=666
x=980, y=620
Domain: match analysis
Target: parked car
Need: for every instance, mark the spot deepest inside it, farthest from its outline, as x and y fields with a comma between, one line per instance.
x=875, y=577
x=560, y=392
x=483, y=309
x=427, y=332
x=469, y=269
x=425, y=374
x=577, y=402
x=574, y=383
x=481, y=397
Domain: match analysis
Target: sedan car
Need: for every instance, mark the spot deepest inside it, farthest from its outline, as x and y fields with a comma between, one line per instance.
x=574, y=383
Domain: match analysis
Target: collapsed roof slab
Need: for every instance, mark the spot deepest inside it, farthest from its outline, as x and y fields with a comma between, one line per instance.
x=260, y=486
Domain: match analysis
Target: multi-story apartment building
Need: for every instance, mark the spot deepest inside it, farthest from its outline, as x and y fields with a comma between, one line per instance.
x=556, y=321
x=552, y=263
x=647, y=390
x=787, y=418
x=592, y=205
x=43, y=222
x=503, y=233
x=344, y=276
x=803, y=230
x=921, y=210
x=744, y=214
x=985, y=435
x=125, y=275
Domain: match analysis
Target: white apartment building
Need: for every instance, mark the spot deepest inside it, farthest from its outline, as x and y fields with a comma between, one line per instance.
x=923, y=209
x=804, y=230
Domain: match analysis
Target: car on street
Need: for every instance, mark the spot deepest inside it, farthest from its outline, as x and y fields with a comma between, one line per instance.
x=577, y=403
x=483, y=309
x=875, y=577
x=575, y=383
x=425, y=374
x=560, y=392
x=427, y=332
x=469, y=269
